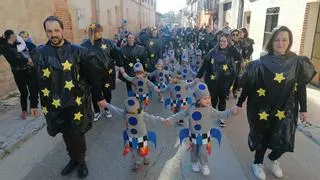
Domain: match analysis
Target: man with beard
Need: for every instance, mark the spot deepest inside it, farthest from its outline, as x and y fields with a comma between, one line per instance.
x=65, y=72
x=130, y=54
x=154, y=50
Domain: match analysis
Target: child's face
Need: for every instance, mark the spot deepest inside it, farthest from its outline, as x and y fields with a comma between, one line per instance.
x=185, y=63
x=205, y=101
x=140, y=74
x=174, y=80
x=159, y=67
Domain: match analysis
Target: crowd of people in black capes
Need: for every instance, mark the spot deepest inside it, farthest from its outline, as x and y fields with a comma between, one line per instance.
x=69, y=78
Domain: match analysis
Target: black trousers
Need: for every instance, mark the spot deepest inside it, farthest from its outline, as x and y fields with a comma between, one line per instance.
x=26, y=81
x=107, y=94
x=218, y=98
x=235, y=86
x=129, y=86
x=259, y=155
x=76, y=146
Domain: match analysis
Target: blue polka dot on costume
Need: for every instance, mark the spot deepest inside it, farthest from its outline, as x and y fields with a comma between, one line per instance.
x=184, y=76
x=185, y=70
x=160, y=74
x=197, y=127
x=161, y=79
x=133, y=131
x=178, y=95
x=133, y=121
x=131, y=102
x=166, y=68
x=177, y=88
x=137, y=65
x=140, y=90
x=202, y=87
x=196, y=116
x=140, y=83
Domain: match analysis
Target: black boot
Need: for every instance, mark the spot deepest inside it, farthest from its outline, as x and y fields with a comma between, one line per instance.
x=83, y=170
x=69, y=168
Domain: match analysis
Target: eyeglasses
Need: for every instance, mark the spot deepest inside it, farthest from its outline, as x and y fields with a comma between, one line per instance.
x=235, y=34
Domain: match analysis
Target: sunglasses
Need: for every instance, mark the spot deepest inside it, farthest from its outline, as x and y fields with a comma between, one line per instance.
x=235, y=34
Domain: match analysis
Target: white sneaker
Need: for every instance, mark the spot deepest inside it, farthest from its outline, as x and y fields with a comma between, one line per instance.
x=258, y=171
x=96, y=117
x=205, y=170
x=108, y=113
x=221, y=122
x=275, y=168
x=196, y=167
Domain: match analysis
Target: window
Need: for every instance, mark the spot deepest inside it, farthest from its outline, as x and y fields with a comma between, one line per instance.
x=127, y=13
x=271, y=22
x=117, y=14
x=109, y=17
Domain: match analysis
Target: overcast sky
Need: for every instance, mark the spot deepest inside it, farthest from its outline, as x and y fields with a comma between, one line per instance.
x=164, y=6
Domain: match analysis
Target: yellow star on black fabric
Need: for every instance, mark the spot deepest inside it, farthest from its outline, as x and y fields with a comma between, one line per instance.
x=107, y=85
x=280, y=114
x=279, y=77
x=56, y=103
x=68, y=85
x=46, y=72
x=295, y=87
x=152, y=55
x=212, y=77
x=130, y=64
x=151, y=43
x=212, y=61
x=261, y=92
x=104, y=46
x=78, y=101
x=110, y=71
x=263, y=116
x=77, y=116
x=44, y=110
x=45, y=92
x=66, y=66
x=225, y=67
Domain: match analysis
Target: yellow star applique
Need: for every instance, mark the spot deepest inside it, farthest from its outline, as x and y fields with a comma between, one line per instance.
x=131, y=65
x=280, y=115
x=212, y=77
x=212, y=61
x=152, y=55
x=77, y=116
x=279, y=77
x=67, y=66
x=78, y=77
x=261, y=92
x=225, y=67
x=45, y=92
x=44, y=110
x=295, y=87
x=46, y=72
x=107, y=85
x=56, y=103
x=78, y=101
x=110, y=71
x=146, y=65
x=69, y=85
x=104, y=46
x=151, y=43
x=263, y=116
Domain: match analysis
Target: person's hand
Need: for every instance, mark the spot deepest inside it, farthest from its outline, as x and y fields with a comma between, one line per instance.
x=102, y=104
x=303, y=117
x=243, y=65
x=235, y=110
x=30, y=62
x=34, y=112
x=197, y=80
x=166, y=123
x=156, y=89
x=122, y=70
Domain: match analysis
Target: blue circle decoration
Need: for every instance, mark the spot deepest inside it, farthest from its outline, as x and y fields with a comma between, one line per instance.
x=184, y=76
x=177, y=88
x=137, y=65
x=185, y=71
x=202, y=87
x=178, y=95
x=161, y=79
x=197, y=127
x=161, y=74
x=131, y=102
x=133, y=131
x=166, y=68
x=133, y=121
x=140, y=90
x=140, y=83
x=196, y=116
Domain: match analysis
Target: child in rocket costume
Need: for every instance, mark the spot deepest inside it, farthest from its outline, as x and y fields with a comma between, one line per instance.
x=136, y=136
x=141, y=86
x=178, y=93
x=200, y=116
x=173, y=63
x=187, y=73
x=162, y=77
x=197, y=61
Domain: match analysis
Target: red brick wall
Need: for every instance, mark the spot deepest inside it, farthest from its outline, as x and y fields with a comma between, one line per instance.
x=62, y=11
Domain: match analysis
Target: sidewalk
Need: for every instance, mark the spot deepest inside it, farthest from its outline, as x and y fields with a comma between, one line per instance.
x=312, y=130
x=13, y=131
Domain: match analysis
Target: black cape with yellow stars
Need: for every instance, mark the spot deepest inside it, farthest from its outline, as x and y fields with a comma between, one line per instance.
x=275, y=87
x=66, y=74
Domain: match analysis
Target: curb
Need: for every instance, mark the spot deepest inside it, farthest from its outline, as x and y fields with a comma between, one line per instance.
x=22, y=136
x=310, y=132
